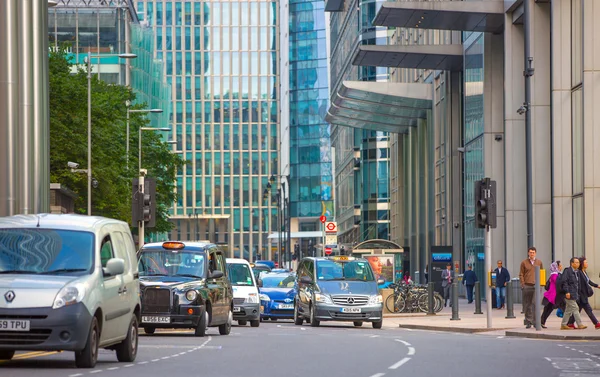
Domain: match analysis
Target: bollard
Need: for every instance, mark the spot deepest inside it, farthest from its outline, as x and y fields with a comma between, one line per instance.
x=430, y=293
x=477, y=298
x=455, y=302
x=537, y=304
x=509, y=301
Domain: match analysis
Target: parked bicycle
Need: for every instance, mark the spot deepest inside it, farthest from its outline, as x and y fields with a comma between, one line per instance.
x=412, y=298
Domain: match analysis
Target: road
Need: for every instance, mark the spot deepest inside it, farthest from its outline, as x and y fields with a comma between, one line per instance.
x=280, y=348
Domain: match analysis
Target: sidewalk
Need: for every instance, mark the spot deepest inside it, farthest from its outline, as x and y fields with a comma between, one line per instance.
x=477, y=323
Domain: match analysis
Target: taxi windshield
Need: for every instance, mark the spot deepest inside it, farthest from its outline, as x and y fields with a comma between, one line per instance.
x=344, y=270
x=278, y=281
x=240, y=275
x=164, y=262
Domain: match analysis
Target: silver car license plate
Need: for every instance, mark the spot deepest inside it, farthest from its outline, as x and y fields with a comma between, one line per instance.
x=14, y=325
x=154, y=319
x=351, y=310
x=286, y=306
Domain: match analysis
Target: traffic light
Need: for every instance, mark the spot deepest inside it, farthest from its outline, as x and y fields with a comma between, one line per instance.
x=485, y=203
x=143, y=206
x=342, y=250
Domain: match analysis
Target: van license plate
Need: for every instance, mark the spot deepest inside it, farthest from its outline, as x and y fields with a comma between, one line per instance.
x=351, y=310
x=152, y=319
x=237, y=309
x=14, y=325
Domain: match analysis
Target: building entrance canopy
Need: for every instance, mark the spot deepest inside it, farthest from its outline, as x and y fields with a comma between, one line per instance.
x=380, y=106
x=483, y=16
x=436, y=57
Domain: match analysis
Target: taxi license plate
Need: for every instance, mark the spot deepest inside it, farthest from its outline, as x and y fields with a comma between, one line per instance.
x=286, y=306
x=351, y=310
x=152, y=319
x=14, y=325
x=237, y=309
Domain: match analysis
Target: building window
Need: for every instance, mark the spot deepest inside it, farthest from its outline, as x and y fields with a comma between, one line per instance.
x=576, y=42
x=577, y=135
x=578, y=228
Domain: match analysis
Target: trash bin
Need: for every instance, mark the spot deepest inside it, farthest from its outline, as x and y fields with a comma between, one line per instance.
x=516, y=291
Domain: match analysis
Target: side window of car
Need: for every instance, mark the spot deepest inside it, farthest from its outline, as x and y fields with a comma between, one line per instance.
x=120, y=249
x=310, y=267
x=302, y=270
x=106, y=251
x=130, y=247
x=221, y=263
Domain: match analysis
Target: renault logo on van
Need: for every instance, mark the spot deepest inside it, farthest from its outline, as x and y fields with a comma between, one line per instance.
x=9, y=296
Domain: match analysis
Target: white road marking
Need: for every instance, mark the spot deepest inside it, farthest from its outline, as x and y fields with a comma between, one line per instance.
x=278, y=325
x=165, y=357
x=142, y=362
x=302, y=328
x=378, y=375
x=113, y=368
x=155, y=360
x=411, y=351
x=403, y=342
x=500, y=337
x=128, y=365
x=76, y=375
x=400, y=363
x=374, y=336
x=96, y=371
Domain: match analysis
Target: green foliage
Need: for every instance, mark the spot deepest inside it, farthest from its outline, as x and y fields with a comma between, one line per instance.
x=68, y=142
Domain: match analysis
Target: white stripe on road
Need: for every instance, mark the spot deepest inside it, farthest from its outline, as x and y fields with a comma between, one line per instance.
x=411, y=351
x=143, y=362
x=500, y=337
x=403, y=342
x=374, y=336
x=76, y=375
x=96, y=371
x=400, y=363
x=128, y=365
x=378, y=375
x=113, y=368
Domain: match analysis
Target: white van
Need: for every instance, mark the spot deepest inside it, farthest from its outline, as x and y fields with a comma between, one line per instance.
x=68, y=283
x=246, y=304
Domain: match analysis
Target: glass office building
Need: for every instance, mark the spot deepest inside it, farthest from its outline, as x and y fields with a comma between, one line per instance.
x=221, y=58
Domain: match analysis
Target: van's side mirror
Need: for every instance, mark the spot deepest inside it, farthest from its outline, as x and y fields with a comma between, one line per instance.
x=216, y=274
x=305, y=280
x=259, y=282
x=380, y=282
x=114, y=267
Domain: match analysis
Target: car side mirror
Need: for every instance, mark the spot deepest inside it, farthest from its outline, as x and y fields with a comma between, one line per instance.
x=114, y=267
x=305, y=280
x=259, y=282
x=216, y=274
x=380, y=281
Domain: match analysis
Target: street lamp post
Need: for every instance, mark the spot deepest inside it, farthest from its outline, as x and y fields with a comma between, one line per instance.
x=127, y=136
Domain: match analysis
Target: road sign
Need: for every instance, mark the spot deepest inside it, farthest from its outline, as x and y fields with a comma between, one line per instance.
x=327, y=251
x=331, y=240
x=331, y=227
x=323, y=219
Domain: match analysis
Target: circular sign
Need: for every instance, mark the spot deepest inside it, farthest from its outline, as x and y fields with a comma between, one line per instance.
x=323, y=219
x=327, y=251
x=330, y=226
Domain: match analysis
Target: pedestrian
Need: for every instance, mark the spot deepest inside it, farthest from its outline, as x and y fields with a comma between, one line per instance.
x=585, y=292
x=502, y=278
x=469, y=279
x=551, y=299
x=570, y=285
x=406, y=278
x=527, y=278
x=426, y=274
x=447, y=279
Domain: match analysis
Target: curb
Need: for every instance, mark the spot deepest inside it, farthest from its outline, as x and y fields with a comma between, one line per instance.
x=464, y=330
x=536, y=335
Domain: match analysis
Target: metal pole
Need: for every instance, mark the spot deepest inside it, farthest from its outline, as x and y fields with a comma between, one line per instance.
x=26, y=126
x=127, y=138
x=537, y=306
x=455, y=316
x=141, y=222
x=279, y=256
x=528, y=72
x=488, y=268
x=139, y=150
x=509, y=301
x=430, y=293
x=89, y=164
x=478, y=298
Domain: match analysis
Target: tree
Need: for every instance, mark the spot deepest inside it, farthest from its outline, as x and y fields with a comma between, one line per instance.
x=68, y=142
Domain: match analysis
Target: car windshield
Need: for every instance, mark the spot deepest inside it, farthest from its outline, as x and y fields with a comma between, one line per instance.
x=278, y=281
x=344, y=270
x=163, y=262
x=239, y=274
x=46, y=251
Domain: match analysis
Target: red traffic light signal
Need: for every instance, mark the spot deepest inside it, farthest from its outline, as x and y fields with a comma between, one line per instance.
x=323, y=219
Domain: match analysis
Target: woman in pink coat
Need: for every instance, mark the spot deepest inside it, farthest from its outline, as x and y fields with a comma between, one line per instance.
x=550, y=300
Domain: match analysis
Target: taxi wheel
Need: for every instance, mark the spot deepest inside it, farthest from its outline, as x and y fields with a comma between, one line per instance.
x=149, y=330
x=377, y=325
x=358, y=324
x=225, y=328
x=242, y=323
x=201, y=328
x=254, y=323
x=6, y=355
x=313, y=321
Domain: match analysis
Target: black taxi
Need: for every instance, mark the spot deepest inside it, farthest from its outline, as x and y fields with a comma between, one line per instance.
x=184, y=285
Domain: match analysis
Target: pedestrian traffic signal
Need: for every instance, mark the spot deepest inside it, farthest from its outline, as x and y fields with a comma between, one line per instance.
x=485, y=203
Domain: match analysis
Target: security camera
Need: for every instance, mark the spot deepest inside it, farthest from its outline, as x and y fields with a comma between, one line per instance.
x=94, y=183
x=498, y=137
x=72, y=165
x=522, y=110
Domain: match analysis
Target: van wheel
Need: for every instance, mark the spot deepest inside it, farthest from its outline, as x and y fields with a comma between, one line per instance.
x=201, y=328
x=6, y=354
x=127, y=349
x=88, y=356
x=254, y=323
x=358, y=324
x=313, y=321
x=377, y=325
x=225, y=328
x=149, y=330
x=242, y=323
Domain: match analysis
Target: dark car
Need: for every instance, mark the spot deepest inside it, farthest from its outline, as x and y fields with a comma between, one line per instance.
x=277, y=295
x=337, y=288
x=185, y=285
x=257, y=268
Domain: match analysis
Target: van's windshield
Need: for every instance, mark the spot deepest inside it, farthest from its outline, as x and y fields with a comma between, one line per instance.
x=351, y=270
x=46, y=251
x=161, y=262
x=240, y=275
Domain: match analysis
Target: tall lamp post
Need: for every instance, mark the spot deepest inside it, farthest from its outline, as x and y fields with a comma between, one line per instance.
x=135, y=111
x=286, y=223
x=89, y=157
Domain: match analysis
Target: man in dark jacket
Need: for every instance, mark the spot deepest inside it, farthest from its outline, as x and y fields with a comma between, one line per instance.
x=469, y=279
x=502, y=277
x=570, y=285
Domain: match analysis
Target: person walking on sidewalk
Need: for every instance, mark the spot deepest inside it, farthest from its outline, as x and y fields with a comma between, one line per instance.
x=585, y=292
x=527, y=278
x=447, y=278
x=570, y=285
x=502, y=277
x=469, y=279
x=551, y=299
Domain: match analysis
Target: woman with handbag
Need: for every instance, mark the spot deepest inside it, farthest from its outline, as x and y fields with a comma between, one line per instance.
x=585, y=291
x=551, y=299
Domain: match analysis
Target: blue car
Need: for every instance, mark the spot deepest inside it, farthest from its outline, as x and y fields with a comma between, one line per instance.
x=277, y=292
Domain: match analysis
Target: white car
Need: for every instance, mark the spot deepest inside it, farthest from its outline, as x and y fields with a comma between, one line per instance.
x=246, y=304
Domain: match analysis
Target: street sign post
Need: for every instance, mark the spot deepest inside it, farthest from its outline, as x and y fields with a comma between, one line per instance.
x=322, y=219
x=331, y=227
x=327, y=251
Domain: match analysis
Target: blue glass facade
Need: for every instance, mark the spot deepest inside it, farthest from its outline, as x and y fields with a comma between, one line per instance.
x=311, y=179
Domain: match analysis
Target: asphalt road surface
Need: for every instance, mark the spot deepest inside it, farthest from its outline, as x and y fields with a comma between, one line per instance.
x=282, y=349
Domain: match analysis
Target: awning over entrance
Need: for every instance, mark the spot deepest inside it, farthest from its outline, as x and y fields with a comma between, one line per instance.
x=334, y=5
x=484, y=16
x=380, y=106
x=442, y=57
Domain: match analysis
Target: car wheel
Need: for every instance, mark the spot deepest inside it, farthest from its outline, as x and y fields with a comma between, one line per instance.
x=88, y=356
x=127, y=349
x=313, y=321
x=358, y=324
x=254, y=323
x=297, y=318
x=202, y=324
x=242, y=323
x=225, y=328
x=377, y=325
x=149, y=330
x=6, y=354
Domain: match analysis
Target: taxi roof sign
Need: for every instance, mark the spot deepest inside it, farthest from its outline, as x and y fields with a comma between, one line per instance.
x=173, y=245
x=342, y=257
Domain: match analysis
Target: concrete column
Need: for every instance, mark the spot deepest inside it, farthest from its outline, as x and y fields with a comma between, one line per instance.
x=455, y=198
x=9, y=105
x=25, y=131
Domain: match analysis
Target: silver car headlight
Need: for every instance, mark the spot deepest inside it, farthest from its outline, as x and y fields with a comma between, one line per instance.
x=374, y=300
x=264, y=297
x=323, y=298
x=191, y=295
x=69, y=295
x=252, y=298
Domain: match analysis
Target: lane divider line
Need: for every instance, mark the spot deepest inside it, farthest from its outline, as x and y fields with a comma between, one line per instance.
x=400, y=363
x=411, y=351
x=403, y=342
x=378, y=375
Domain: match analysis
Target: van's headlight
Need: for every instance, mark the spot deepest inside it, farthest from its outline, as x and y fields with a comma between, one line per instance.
x=69, y=295
x=252, y=298
x=191, y=295
x=373, y=300
x=323, y=298
x=264, y=297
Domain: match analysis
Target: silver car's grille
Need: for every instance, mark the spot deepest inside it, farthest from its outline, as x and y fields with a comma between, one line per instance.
x=238, y=300
x=350, y=300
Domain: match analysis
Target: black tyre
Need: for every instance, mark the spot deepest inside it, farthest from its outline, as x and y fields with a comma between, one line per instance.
x=88, y=356
x=297, y=318
x=225, y=328
x=6, y=354
x=127, y=349
x=149, y=330
x=358, y=324
x=202, y=324
x=242, y=323
x=254, y=323
x=377, y=325
x=313, y=321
